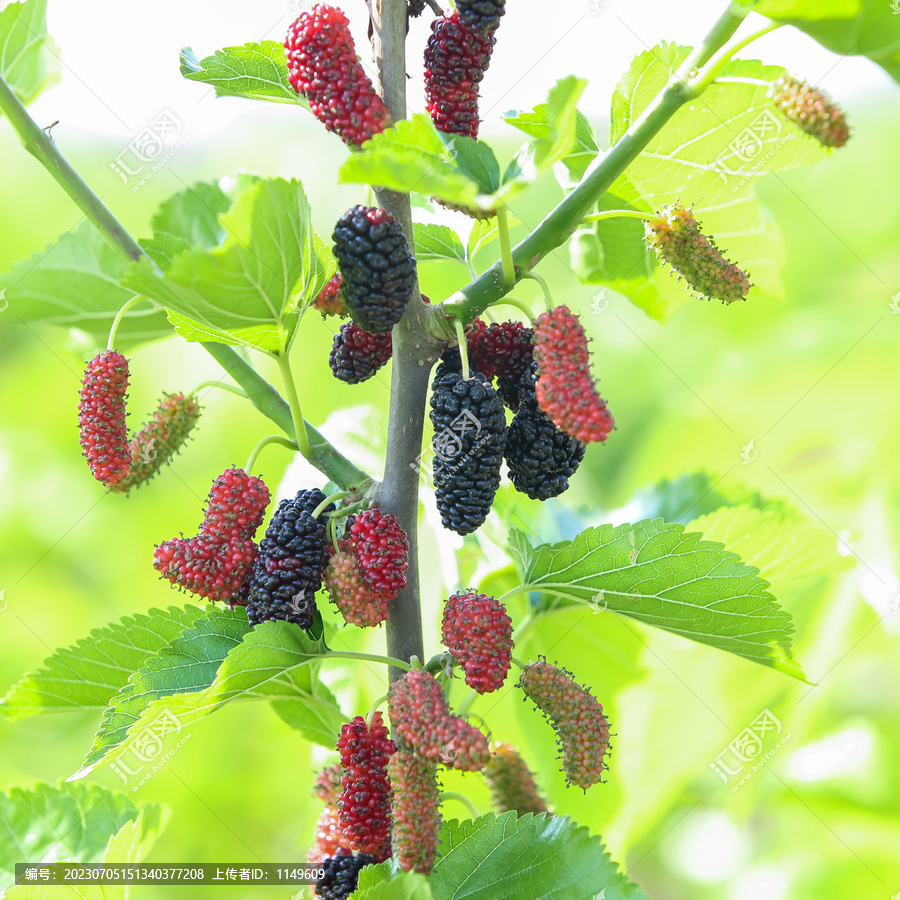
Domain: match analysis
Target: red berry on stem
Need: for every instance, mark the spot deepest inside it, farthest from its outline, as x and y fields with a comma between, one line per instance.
x=416, y=811
x=359, y=603
x=421, y=717
x=478, y=632
x=576, y=716
x=101, y=417
x=382, y=548
x=565, y=387
x=356, y=355
x=330, y=300
x=206, y=565
x=511, y=782
x=236, y=504
x=323, y=66
x=364, y=803
x=456, y=59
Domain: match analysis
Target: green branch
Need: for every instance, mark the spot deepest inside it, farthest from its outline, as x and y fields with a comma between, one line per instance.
x=562, y=222
x=264, y=397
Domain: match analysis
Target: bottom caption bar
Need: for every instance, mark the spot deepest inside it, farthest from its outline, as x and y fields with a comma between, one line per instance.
x=200, y=873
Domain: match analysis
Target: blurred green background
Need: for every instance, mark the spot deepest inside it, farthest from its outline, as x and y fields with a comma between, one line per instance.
x=810, y=382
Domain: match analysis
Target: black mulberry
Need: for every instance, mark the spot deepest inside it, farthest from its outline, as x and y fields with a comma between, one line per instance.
x=378, y=271
x=540, y=456
x=469, y=435
x=341, y=875
x=288, y=569
x=482, y=16
x=356, y=355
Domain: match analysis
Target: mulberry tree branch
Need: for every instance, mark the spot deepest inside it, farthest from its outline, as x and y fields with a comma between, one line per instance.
x=414, y=353
x=263, y=396
x=562, y=221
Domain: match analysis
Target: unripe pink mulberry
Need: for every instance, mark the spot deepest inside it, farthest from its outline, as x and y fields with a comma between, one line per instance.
x=566, y=391
x=421, y=717
x=577, y=717
x=328, y=838
x=511, y=782
x=160, y=439
x=811, y=109
x=679, y=242
x=327, y=786
x=364, y=803
x=478, y=632
x=416, y=811
x=323, y=66
x=359, y=603
x=101, y=417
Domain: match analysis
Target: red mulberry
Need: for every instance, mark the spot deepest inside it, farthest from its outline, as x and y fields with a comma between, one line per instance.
x=678, y=241
x=364, y=803
x=160, y=439
x=421, y=717
x=511, y=782
x=382, y=548
x=327, y=786
x=377, y=268
x=356, y=355
x=811, y=109
x=205, y=565
x=416, y=811
x=478, y=632
x=456, y=59
x=323, y=66
x=101, y=417
x=328, y=839
x=330, y=301
x=565, y=387
x=577, y=717
x=235, y=506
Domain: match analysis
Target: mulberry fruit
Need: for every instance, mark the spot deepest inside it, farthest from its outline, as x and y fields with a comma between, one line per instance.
x=382, y=548
x=420, y=715
x=323, y=66
x=540, y=456
x=358, y=603
x=357, y=355
x=482, y=16
x=576, y=716
x=330, y=300
x=364, y=803
x=329, y=838
x=416, y=811
x=678, y=241
x=160, y=439
x=288, y=569
x=103, y=434
x=811, y=109
x=511, y=782
x=565, y=387
x=327, y=786
x=478, y=632
x=235, y=505
x=456, y=59
x=469, y=436
x=205, y=565
x=341, y=876
x=377, y=269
